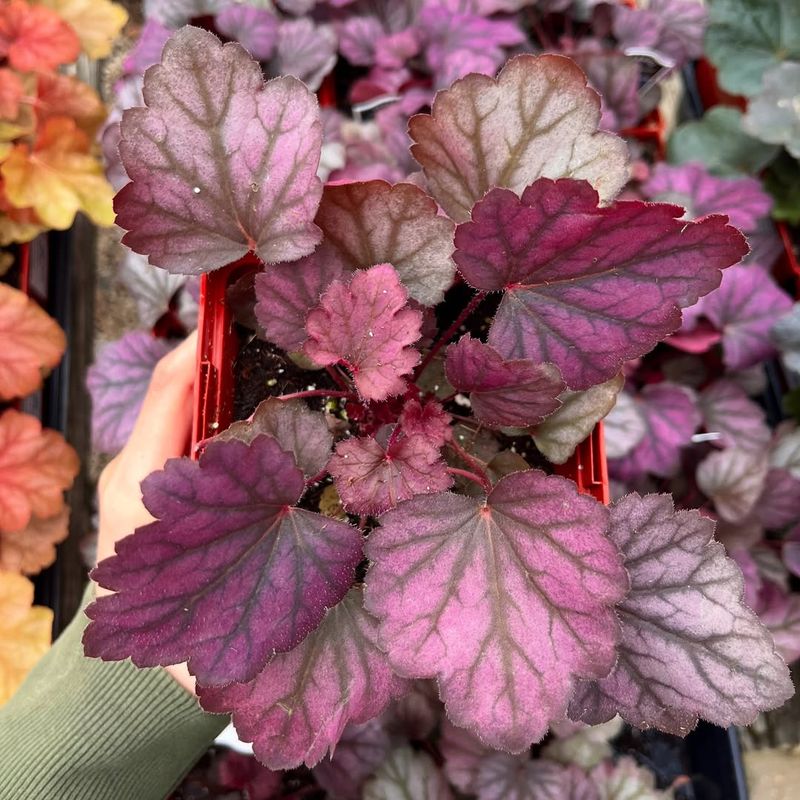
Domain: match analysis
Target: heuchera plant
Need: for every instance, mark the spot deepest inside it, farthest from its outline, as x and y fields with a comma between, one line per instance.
x=453, y=559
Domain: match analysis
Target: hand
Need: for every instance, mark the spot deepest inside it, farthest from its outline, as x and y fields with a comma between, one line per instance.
x=161, y=432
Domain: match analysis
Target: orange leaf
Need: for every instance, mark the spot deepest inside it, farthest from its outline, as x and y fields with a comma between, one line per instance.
x=59, y=177
x=11, y=91
x=31, y=550
x=35, y=38
x=36, y=466
x=25, y=632
x=32, y=341
x=65, y=96
x=97, y=22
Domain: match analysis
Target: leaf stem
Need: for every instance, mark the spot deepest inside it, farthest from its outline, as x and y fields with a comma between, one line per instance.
x=315, y=393
x=449, y=333
x=337, y=377
x=483, y=481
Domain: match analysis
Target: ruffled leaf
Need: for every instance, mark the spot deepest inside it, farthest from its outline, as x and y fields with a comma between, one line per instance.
x=407, y=773
x=544, y=113
x=734, y=480
x=503, y=393
x=256, y=29
x=305, y=50
x=297, y=707
x=580, y=291
x=30, y=550
x=689, y=647
x=367, y=326
x=505, y=599
x=220, y=163
x=228, y=573
x=427, y=419
x=97, y=22
x=34, y=38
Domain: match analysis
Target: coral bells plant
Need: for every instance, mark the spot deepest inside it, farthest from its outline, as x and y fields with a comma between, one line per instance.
x=460, y=333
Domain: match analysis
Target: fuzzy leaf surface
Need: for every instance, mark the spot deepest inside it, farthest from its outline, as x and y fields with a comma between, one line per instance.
x=118, y=382
x=407, y=773
x=734, y=480
x=505, y=599
x=580, y=291
x=220, y=163
x=543, y=111
x=377, y=223
x=297, y=707
x=690, y=648
x=428, y=419
x=228, y=573
x=368, y=326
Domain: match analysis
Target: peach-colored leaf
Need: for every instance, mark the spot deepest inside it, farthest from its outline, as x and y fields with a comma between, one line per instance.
x=35, y=38
x=30, y=550
x=97, y=22
x=10, y=93
x=64, y=96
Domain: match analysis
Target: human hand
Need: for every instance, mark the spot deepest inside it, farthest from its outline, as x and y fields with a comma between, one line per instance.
x=161, y=432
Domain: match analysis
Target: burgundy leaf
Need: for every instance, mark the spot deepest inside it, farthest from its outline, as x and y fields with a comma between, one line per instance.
x=506, y=777
x=429, y=420
x=118, y=382
x=256, y=29
x=580, y=290
x=689, y=647
x=297, y=429
x=779, y=504
x=377, y=223
x=503, y=393
x=285, y=293
x=297, y=707
x=220, y=163
x=671, y=417
x=407, y=773
x=744, y=308
x=505, y=599
x=228, y=573
x=368, y=326
x=542, y=112
x=728, y=411
x=734, y=480
x=372, y=478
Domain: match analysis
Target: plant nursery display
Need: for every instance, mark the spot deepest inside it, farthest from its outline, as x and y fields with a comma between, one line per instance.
x=379, y=569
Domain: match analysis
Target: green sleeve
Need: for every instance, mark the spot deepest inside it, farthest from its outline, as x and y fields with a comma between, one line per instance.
x=83, y=729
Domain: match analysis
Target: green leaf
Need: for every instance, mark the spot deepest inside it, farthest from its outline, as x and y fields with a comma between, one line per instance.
x=782, y=181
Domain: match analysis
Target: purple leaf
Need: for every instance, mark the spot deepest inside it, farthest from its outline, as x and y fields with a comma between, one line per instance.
x=791, y=551
x=416, y=714
x=407, y=773
x=286, y=293
x=297, y=429
x=689, y=647
x=734, y=480
x=372, y=478
x=616, y=78
x=463, y=754
x=148, y=47
x=744, y=308
x=358, y=36
x=367, y=326
x=580, y=290
x=780, y=612
x=228, y=573
x=624, y=427
x=174, y=13
x=671, y=417
x=377, y=223
x=297, y=707
x=728, y=411
x=305, y=50
x=551, y=134
x=503, y=393
x=220, y=163
x=699, y=192
x=256, y=29
x=429, y=420
x=559, y=435
x=505, y=599
x=118, y=382
x=506, y=777
x=779, y=504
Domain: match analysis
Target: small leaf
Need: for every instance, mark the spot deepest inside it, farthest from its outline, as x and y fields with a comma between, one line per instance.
x=32, y=343
x=368, y=326
x=64, y=96
x=228, y=573
x=256, y=29
x=118, y=382
x=286, y=293
x=626, y=780
x=559, y=435
x=405, y=774
x=36, y=467
x=429, y=420
x=689, y=647
x=372, y=478
x=734, y=480
x=32, y=549
x=624, y=427
x=505, y=599
x=503, y=393
x=728, y=411
x=152, y=288
x=505, y=777
x=544, y=113
x=565, y=263
x=199, y=198
x=296, y=708
x=97, y=22
x=34, y=38
x=377, y=223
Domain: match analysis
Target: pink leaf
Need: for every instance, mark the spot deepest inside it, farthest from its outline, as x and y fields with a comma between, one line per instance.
x=504, y=599
x=228, y=573
x=429, y=420
x=305, y=50
x=503, y=393
x=366, y=325
x=779, y=504
x=256, y=29
x=297, y=707
x=463, y=755
x=728, y=411
x=220, y=163
x=372, y=478
x=407, y=773
x=780, y=612
x=545, y=116
x=689, y=647
x=580, y=290
x=505, y=777
x=625, y=779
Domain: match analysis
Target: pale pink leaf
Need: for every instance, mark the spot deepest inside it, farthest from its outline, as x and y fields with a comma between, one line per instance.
x=779, y=504
x=734, y=480
x=507, y=777
x=729, y=412
x=624, y=427
x=407, y=773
